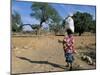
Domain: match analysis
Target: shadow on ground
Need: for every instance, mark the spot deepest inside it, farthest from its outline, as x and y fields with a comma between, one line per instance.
x=49, y=63
x=42, y=62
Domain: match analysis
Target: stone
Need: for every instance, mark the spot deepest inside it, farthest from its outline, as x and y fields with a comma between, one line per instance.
x=89, y=60
x=25, y=47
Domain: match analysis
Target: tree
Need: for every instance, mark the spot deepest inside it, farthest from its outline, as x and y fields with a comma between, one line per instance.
x=57, y=28
x=44, y=12
x=16, y=22
x=35, y=28
x=82, y=22
x=92, y=27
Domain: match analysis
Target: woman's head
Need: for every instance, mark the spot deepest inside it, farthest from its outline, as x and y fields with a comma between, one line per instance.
x=69, y=31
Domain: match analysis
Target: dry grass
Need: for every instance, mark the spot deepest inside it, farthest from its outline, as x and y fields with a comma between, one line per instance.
x=45, y=53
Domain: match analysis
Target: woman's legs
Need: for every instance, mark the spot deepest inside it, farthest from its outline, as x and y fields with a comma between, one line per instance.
x=70, y=68
x=69, y=60
x=67, y=65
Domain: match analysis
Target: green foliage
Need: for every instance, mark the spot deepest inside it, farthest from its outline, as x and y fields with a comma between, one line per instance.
x=83, y=22
x=16, y=22
x=56, y=28
x=92, y=27
x=44, y=12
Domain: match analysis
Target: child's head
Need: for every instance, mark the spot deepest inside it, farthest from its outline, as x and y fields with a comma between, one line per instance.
x=69, y=32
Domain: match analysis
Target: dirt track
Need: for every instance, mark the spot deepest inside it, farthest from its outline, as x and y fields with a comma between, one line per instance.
x=45, y=54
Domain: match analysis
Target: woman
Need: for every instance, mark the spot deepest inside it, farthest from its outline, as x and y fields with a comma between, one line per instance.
x=68, y=45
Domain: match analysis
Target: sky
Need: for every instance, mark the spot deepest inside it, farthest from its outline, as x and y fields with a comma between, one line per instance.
x=24, y=9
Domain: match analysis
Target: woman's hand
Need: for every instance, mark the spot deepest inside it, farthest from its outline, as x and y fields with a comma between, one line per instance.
x=75, y=51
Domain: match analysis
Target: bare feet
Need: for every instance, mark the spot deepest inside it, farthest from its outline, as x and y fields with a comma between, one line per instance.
x=67, y=65
x=70, y=69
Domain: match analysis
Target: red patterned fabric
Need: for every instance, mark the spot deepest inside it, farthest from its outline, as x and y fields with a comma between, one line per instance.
x=69, y=42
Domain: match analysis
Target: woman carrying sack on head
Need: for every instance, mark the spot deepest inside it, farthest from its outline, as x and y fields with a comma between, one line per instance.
x=68, y=41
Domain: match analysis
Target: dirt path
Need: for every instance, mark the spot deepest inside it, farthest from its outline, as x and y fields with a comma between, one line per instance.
x=44, y=54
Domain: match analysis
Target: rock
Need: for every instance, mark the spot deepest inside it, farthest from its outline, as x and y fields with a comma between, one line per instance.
x=25, y=47
x=13, y=47
x=79, y=66
x=88, y=59
x=94, y=64
x=16, y=48
x=83, y=57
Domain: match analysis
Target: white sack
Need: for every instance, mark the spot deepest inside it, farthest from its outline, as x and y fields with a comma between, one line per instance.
x=69, y=24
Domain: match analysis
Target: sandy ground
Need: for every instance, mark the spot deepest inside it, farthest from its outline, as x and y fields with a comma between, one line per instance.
x=45, y=54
